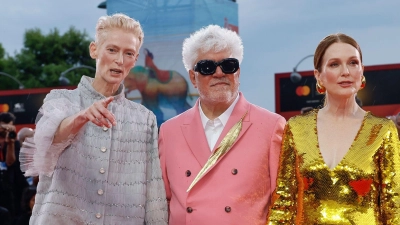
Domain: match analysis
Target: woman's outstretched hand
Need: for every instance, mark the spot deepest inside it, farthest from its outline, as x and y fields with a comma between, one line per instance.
x=98, y=113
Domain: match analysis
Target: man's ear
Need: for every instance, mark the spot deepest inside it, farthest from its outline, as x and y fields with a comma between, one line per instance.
x=93, y=50
x=192, y=76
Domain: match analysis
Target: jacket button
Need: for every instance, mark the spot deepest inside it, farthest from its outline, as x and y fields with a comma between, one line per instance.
x=189, y=209
x=227, y=209
x=188, y=173
x=234, y=171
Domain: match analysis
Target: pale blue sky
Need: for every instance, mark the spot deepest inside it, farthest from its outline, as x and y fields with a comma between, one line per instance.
x=276, y=34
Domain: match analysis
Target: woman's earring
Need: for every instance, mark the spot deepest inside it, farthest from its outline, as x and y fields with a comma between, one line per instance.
x=320, y=89
x=363, y=82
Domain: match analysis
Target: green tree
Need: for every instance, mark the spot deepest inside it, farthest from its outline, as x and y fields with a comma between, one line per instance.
x=44, y=57
x=2, y=51
x=7, y=67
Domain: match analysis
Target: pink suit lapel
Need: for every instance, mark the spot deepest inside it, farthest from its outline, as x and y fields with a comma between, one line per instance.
x=193, y=132
x=241, y=107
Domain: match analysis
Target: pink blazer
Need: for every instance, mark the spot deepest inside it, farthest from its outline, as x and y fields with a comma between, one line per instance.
x=237, y=189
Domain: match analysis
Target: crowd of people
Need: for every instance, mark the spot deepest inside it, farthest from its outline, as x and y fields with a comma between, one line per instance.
x=17, y=192
x=98, y=158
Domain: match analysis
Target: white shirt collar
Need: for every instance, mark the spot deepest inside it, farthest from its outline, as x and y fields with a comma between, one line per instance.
x=223, y=117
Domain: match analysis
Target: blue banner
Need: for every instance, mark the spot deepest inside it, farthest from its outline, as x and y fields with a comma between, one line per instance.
x=159, y=80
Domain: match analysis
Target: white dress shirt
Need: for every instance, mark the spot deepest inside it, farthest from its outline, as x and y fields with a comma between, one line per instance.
x=213, y=128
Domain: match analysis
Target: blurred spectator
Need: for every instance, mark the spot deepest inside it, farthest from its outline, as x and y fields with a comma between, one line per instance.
x=12, y=181
x=28, y=200
x=24, y=133
x=5, y=217
x=7, y=160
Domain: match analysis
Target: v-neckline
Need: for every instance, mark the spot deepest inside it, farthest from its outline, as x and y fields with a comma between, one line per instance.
x=350, y=148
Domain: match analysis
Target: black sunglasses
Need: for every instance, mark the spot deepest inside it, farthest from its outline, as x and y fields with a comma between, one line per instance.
x=208, y=67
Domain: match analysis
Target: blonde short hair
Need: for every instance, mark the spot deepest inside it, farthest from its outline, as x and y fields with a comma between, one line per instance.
x=118, y=20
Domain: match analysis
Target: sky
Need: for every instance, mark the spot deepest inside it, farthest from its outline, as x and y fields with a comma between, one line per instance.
x=276, y=34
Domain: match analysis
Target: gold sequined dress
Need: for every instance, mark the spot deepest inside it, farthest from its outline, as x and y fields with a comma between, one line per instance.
x=362, y=189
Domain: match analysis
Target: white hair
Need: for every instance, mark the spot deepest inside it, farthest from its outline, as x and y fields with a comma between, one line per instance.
x=211, y=37
x=118, y=20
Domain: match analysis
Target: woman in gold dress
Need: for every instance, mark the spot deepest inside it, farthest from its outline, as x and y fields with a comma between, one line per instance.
x=339, y=164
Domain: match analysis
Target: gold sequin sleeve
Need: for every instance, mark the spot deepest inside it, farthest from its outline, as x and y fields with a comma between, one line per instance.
x=389, y=169
x=283, y=207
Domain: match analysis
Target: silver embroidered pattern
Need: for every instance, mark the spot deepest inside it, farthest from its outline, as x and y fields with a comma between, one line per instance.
x=131, y=185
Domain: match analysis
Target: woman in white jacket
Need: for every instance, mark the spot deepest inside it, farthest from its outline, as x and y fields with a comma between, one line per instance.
x=95, y=151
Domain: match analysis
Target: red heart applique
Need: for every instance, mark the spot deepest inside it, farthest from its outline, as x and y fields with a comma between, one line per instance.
x=362, y=186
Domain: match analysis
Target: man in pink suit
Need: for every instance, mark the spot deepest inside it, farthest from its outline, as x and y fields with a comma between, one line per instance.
x=219, y=159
